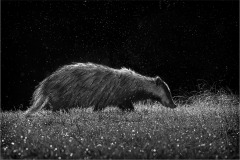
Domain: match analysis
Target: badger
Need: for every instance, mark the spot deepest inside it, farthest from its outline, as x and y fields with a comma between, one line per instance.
x=98, y=86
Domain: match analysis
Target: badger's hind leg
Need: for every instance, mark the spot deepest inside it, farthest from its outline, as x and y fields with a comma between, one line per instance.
x=98, y=108
x=126, y=106
x=37, y=105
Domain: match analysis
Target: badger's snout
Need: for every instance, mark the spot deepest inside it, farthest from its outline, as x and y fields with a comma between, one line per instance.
x=169, y=105
x=172, y=106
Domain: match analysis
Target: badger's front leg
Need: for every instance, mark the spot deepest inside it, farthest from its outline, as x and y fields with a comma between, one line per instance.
x=126, y=106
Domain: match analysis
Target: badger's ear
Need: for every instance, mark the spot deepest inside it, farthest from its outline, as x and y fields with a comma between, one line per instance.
x=158, y=81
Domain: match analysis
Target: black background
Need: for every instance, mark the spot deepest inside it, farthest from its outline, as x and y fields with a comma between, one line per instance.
x=185, y=43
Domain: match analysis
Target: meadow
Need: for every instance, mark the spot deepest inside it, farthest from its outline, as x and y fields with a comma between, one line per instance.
x=204, y=126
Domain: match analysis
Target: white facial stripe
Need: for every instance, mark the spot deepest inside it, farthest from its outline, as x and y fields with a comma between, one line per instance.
x=165, y=99
x=166, y=85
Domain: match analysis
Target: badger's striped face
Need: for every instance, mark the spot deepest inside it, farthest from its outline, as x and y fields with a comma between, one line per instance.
x=163, y=94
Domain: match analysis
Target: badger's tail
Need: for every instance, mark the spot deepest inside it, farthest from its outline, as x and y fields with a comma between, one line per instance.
x=39, y=101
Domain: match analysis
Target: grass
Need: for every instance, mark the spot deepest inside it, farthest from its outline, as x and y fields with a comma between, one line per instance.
x=205, y=127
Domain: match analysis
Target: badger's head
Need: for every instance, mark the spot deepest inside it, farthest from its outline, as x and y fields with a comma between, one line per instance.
x=161, y=92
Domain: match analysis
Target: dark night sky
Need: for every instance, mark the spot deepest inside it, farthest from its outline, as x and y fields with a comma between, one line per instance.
x=184, y=42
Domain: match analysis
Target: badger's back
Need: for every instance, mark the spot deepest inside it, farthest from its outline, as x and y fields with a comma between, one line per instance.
x=85, y=85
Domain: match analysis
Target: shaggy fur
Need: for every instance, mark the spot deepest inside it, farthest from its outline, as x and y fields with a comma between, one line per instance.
x=88, y=84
